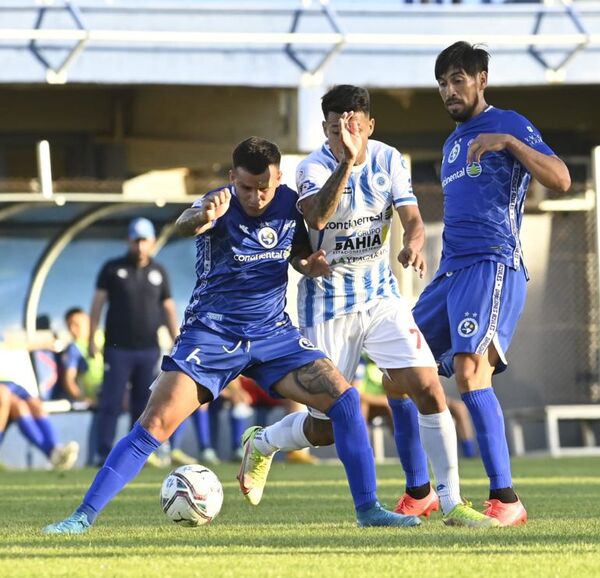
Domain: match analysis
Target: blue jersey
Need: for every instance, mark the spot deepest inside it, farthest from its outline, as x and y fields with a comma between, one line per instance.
x=242, y=270
x=483, y=202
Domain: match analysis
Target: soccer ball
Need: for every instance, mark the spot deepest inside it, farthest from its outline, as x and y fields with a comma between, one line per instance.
x=191, y=495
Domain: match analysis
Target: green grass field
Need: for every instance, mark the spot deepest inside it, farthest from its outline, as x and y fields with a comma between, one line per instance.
x=304, y=527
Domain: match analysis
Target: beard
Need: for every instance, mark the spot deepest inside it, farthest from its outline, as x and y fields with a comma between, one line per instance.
x=465, y=113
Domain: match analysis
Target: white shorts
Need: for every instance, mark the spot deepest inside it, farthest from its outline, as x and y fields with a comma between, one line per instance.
x=386, y=332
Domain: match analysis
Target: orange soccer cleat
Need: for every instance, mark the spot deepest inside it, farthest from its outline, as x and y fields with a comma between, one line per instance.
x=513, y=514
x=410, y=506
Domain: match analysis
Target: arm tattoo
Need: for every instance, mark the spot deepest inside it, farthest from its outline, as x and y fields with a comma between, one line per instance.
x=328, y=198
x=318, y=377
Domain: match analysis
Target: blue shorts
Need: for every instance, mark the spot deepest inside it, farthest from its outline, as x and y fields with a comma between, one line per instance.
x=16, y=389
x=465, y=311
x=213, y=360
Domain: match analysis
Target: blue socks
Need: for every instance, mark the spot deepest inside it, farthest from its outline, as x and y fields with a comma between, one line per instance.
x=31, y=431
x=354, y=451
x=488, y=420
x=469, y=448
x=48, y=434
x=124, y=462
x=202, y=424
x=408, y=442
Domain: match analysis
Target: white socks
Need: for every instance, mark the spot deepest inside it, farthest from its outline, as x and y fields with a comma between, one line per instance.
x=438, y=436
x=287, y=434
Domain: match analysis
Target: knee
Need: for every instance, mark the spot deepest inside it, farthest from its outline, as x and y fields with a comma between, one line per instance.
x=156, y=425
x=319, y=432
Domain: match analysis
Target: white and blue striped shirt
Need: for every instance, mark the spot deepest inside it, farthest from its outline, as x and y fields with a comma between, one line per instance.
x=356, y=239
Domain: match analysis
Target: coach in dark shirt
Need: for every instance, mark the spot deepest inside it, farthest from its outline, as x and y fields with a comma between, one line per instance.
x=137, y=291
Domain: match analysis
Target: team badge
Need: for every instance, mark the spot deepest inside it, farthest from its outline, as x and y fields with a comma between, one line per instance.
x=306, y=343
x=467, y=327
x=155, y=277
x=381, y=182
x=267, y=237
x=454, y=152
x=122, y=273
x=474, y=170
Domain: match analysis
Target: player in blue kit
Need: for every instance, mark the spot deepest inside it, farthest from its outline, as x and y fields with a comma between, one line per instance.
x=469, y=312
x=235, y=322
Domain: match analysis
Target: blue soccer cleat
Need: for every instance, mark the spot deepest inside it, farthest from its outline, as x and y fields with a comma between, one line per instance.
x=76, y=523
x=379, y=516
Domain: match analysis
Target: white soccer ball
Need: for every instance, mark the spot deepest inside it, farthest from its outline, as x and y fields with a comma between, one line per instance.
x=191, y=495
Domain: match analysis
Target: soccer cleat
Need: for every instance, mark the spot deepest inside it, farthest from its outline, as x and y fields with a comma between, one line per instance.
x=64, y=457
x=180, y=458
x=410, y=506
x=301, y=457
x=465, y=516
x=76, y=523
x=254, y=468
x=209, y=456
x=513, y=514
x=378, y=516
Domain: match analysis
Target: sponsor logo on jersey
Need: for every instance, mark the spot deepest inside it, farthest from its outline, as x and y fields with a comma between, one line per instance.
x=353, y=223
x=533, y=139
x=381, y=182
x=347, y=191
x=467, y=327
x=267, y=237
x=454, y=152
x=306, y=343
x=155, y=277
x=358, y=242
x=275, y=255
x=459, y=174
x=474, y=170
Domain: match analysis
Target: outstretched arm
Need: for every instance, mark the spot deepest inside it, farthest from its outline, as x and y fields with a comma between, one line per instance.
x=198, y=220
x=549, y=170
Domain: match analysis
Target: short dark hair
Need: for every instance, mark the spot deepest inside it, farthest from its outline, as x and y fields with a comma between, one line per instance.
x=255, y=154
x=464, y=56
x=73, y=311
x=344, y=98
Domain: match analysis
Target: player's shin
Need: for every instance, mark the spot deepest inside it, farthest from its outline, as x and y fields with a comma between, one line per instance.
x=438, y=436
x=408, y=445
x=287, y=434
x=354, y=451
x=123, y=464
x=488, y=420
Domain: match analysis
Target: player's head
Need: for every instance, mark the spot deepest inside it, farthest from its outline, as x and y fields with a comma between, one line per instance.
x=255, y=174
x=347, y=98
x=461, y=71
x=78, y=323
x=142, y=238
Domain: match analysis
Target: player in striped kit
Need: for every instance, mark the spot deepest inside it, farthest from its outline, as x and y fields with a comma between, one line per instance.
x=348, y=190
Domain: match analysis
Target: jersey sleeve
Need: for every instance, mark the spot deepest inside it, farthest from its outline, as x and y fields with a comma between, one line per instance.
x=526, y=132
x=402, y=190
x=310, y=177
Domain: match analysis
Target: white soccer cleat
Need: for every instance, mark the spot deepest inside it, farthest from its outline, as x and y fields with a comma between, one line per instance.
x=64, y=457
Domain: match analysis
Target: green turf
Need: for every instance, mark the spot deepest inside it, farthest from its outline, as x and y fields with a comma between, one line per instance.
x=304, y=527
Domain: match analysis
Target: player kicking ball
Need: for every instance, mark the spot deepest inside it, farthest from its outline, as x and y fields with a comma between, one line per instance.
x=235, y=323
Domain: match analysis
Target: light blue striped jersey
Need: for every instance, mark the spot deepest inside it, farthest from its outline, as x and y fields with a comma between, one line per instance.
x=483, y=202
x=356, y=239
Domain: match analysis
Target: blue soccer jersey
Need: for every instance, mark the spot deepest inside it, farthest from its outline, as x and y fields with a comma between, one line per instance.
x=242, y=269
x=483, y=201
